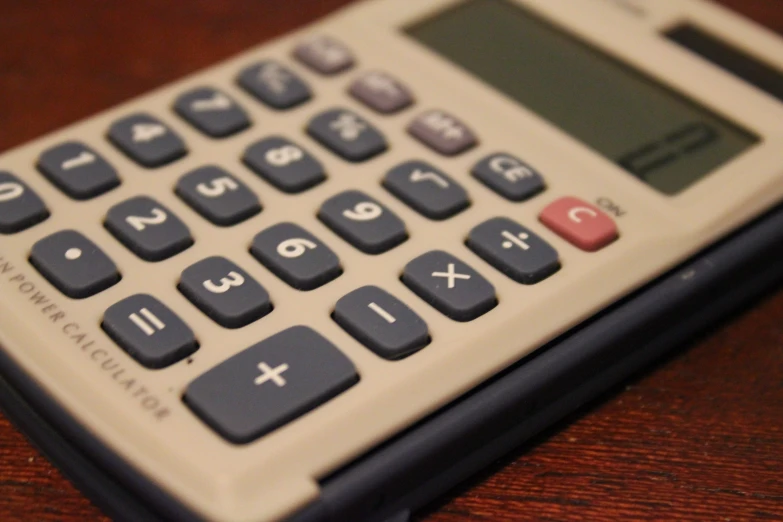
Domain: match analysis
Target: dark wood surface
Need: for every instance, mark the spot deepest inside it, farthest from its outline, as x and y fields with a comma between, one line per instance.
x=699, y=437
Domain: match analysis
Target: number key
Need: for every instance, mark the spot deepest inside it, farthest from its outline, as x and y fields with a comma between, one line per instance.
x=225, y=292
x=218, y=196
x=148, y=228
x=20, y=207
x=284, y=164
x=146, y=140
x=363, y=222
x=296, y=256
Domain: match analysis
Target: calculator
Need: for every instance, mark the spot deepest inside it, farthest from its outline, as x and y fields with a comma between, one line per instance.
x=334, y=276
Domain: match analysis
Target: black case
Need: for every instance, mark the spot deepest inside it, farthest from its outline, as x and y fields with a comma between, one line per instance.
x=425, y=461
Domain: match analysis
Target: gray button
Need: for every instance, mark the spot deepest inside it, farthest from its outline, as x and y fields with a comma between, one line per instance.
x=218, y=196
x=442, y=132
x=78, y=170
x=269, y=384
x=296, y=256
x=284, y=164
x=74, y=264
x=20, y=207
x=381, y=92
x=363, y=222
x=151, y=333
x=347, y=134
x=324, y=55
x=509, y=176
x=449, y=285
x=212, y=112
x=147, y=140
x=225, y=292
x=148, y=229
x=426, y=189
x=381, y=322
x=514, y=250
x=274, y=85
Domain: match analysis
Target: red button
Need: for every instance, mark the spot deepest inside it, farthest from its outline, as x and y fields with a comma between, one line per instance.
x=579, y=223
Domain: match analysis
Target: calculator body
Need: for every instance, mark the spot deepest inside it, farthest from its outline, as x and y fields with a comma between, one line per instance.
x=393, y=425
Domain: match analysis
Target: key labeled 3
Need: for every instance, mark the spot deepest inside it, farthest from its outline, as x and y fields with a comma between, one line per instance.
x=225, y=292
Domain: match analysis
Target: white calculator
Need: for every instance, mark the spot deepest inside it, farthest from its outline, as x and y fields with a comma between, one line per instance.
x=332, y=277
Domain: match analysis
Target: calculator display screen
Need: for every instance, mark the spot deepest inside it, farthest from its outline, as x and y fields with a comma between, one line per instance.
x=656, y=134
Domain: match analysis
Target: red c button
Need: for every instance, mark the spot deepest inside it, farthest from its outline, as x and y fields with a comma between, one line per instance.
x=580, y=223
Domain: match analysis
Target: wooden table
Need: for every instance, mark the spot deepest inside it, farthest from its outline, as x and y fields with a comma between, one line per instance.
x=699, y=437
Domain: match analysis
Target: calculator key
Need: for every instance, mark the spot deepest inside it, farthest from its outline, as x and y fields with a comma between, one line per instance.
x=381, y=92
x=296, y=256
x=363, y=222
x=149, y=331
x=347, y=134
x=381, y=322
x=274, y=85
x=74, y=264
x=147, y=140
x=442, y=132
x=580, y=223
x=269, y=384
x=225, y=292
x=148, y=228
x=20, y=207
x=212, y=112
x=514, y=250
x=284, y=164
x=218, y=196
x=509, y=177
x=426, y=189
x=77, y=170
x=449, y=285
x=324, y=55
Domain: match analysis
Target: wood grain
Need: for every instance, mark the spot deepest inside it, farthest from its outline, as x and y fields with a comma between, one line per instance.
x=699, y=437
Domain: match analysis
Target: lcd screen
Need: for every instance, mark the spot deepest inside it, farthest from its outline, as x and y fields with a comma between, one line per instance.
x=651, y=131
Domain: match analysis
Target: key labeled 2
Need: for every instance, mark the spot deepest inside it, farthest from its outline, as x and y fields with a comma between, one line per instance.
x=225, y=292
x=148, y=229
x=363, y=222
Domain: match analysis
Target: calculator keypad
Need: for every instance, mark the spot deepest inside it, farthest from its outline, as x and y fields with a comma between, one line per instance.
x=148, y=229
x=274, y=85
x=20, y=206
x=78, y=170
x=270, y=383
x=580, y=223
x=218, y=196
x=514, y=250
x=363, y=222
x=284, y=164
x=509, y=177
x=381, y=92
x=296, y=370
x=347, y=134
x=296, y=256
x=381, y=322
x=149, y=331
x=442, y=132
x=450, y=285
x=324, y=55
x=428, y=190
x=74, y=264
x=212, y=112
x=225, y=292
